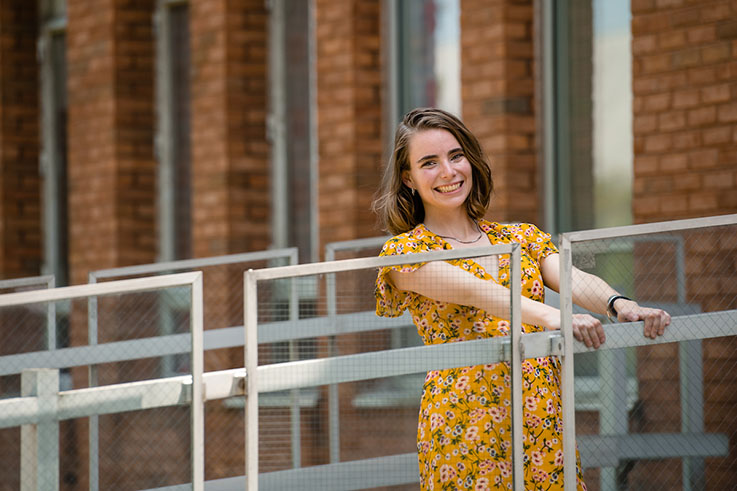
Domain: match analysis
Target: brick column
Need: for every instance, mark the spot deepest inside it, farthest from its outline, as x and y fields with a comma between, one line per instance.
x=497, y=89
x=685, y=146
x=20, y=183
x=111, y=165
x=685, y=110
x=349, y=113
x=230, y=154
x=231, y=185
x=111, y=168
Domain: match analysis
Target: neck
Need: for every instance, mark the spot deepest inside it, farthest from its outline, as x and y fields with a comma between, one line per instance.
x=461, y=228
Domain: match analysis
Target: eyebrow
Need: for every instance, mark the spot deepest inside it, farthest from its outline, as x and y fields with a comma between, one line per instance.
x=430, y=157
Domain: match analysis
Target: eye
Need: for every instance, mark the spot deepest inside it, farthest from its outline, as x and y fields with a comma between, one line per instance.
x=428, y=163
x=456, y=156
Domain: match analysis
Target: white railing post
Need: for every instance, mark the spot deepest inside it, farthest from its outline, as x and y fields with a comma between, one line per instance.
x=250, y=351
x=515, y=286
x=196, y=322
x=39, y=457
x=568, y=402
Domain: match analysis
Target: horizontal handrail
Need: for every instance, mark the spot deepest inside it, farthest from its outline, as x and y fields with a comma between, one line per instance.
x=134, y=285
x=376, y=262
x=393, y=470
x=651, y=228
x=45, y=281
x=289, y=253
x=222, y=384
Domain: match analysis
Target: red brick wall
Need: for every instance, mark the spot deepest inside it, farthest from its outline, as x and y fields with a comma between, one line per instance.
x=349, y=116
x=111, y=165
x=20, y=183
x=685, y=137
x=230, y=174
x=111, y=168
x=230, y=155
x=497, y=88
x=685, y=109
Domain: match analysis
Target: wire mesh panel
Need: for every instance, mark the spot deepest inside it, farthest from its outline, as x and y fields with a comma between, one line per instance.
x=223, y=316
x=141, y=443
x=661, y=416
x=23, y=329
x=378, y=411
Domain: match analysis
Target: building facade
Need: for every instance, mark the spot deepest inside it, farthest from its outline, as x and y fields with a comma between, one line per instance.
x=136, y=131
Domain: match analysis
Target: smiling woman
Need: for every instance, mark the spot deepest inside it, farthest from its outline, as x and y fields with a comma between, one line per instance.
x=435, y=193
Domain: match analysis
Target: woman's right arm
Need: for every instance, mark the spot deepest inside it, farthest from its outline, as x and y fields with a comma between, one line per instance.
x=446, y=283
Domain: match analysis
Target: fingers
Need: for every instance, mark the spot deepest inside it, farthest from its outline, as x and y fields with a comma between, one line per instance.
x=655, y=321
x=588, y=330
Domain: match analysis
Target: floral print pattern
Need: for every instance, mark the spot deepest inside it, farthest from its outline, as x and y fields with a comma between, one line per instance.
x=464, y=429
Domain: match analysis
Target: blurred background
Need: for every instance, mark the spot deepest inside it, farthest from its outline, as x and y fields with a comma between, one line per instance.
x=144, y=131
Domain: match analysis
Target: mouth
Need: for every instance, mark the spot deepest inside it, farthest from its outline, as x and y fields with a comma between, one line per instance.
x=449, y=188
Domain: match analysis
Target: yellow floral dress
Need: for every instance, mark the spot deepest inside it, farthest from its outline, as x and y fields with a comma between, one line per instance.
x=463, y=434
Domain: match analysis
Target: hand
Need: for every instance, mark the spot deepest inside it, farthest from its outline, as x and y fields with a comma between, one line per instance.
x=588, y=330
x=656, y=320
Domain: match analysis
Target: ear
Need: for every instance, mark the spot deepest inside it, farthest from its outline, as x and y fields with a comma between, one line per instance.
x=406, y=179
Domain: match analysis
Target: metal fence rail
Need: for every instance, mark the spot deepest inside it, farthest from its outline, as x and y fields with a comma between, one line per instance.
x=614, y=417
x=42, y=408
x=391, y=470
x=358, y=370
x=30, y=282
x=607, y=449
x=171, y=344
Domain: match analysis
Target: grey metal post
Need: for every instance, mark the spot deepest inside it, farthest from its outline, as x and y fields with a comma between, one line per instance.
x=295, y=415
x=333, y=391
x=691, y=375
x=613, y=412
x=93, y=424
x=39, y=460
x=515, y=287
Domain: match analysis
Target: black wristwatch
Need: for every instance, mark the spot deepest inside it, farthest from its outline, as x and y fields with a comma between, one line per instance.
x=611, y=312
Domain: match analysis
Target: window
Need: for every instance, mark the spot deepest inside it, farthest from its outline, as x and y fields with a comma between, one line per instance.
x=587, y=104
x=427, y=63
x=588, y=158
x=52, y=58
x=291, y=129
x=173, y=154
x=53, y=165
x=173, y=130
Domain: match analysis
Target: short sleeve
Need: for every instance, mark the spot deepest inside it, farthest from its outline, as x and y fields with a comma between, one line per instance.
x=391, y=301
x=539, y=243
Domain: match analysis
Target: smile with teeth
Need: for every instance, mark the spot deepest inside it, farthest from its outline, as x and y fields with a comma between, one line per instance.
x=449, y=187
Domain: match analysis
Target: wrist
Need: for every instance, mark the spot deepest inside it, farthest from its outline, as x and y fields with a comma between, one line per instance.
x=615, y=301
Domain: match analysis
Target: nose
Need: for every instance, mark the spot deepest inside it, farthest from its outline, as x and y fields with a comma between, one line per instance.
x=447, y=168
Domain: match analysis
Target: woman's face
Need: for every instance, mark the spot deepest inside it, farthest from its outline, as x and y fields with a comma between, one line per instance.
x=438, y=170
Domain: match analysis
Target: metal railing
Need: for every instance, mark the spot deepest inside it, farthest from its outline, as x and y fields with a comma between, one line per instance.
x=340, y=369
x=226, y=337
x=614, y=418
x=606, y=449
x=45, y=281
x=42, y=406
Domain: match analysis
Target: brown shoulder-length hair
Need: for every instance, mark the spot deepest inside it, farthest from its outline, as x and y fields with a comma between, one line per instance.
x=398, y=209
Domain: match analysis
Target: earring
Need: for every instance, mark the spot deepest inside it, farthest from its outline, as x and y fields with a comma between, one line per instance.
x=413, y=191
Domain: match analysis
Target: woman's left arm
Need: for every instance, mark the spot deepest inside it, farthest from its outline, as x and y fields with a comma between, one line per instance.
x=593, y=293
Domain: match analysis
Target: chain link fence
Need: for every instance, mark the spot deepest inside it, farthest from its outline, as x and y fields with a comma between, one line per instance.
x=128, y=436
x=649, y=414
x=223, y=320
x=675, y=403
